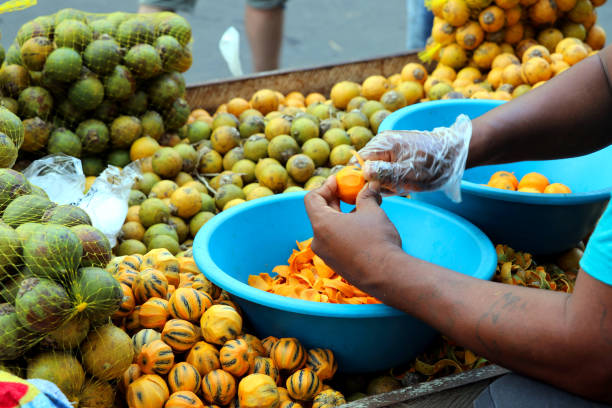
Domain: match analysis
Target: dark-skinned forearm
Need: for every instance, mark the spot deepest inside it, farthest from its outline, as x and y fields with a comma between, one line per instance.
x=535, y=332
x=568, y=116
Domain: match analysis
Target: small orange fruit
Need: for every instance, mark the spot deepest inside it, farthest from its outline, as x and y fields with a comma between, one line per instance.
x=456, y=12
x=557, y=188
x=444, y=72
x=512, y=75
x=412, y=90
x=513, y=15
x=374, y=87
x=492, y=19
x=236, y=106
x=395, y=79
x=470, y=35
x=414, y=72
x=566, y=5
x=443, y=32
x=143, y=147
x=314, y=97
x=533, y=180
x=503, y=60
x=549, y=38
x=558, y=67
x=528, y=190
x=485, y=54
x=495, y=77
x=506, y=175
x=469, y=73
x=537, y=69
x=507, y=4
x=343, y=92
x=574, y=54
x=501, y=182
x=453, y=56
x=596, y=38
x=536, y=51
x=265, y=101
x=543, y=12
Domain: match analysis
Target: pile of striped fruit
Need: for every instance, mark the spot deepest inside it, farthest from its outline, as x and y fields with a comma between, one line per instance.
x=189, y=345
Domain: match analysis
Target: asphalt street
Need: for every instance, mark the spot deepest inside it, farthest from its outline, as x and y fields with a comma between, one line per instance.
x=316, y=31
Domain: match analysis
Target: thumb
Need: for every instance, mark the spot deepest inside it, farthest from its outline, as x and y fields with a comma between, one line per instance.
x=369, y=196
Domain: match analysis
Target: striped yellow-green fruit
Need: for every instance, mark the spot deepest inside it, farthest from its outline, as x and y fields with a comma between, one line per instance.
x=218, y=387
x=184, y=377
x=180, y=334
x=234, y=357
x=155, y=358
x=144, y=336
x=150, y=283
x=303, y=385
x=288, y=354
x=188, y=304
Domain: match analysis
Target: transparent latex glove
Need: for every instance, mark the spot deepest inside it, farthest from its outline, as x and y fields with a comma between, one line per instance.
x=405, y=161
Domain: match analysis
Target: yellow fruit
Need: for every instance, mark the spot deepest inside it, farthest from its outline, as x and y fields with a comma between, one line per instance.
x=456, y=12
x=536, y=69
x=343, y=92
x=414, y=72
x=143, y=147
x=265, y=101
x=186, y=202
x=374, y=87
x=574, y=54
x=412, y=91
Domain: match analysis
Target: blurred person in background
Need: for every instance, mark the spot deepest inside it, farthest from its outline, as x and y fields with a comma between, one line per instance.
x=419, y=21
x=263, y=20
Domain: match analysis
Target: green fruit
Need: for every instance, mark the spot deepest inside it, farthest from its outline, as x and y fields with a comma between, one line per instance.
x=169, y=50
x=107, y=352
x=355, y=118
x=282, y=147
x=163, y=91
x=124, y=131
x=198, y=130
x=33, y=29
x=227, y=193
x=10, y=246
x=120, y=84
x=246, y=169
x=439, y=90
x=69, y=14
x=11, y=125
x=86, y=93
x=179, y=79
x=359, y=136
x=67, y=215
x=177, y=114
x=118, y=17
x=15, y=339
x=72, y=33
x=251, y=125
x=231, y=157
x=136, y=30
x=96, y=293
x=377, y=118
x=210, y=162
x=64, y=141
x=93, y=166
x=293, y=189
x=35, y=101
x=53, y=251
x=8, y=151
x=96, y=247
x=2, y=54
x=136, y=197
x=303, y=129
x=63, y=64
x=159, y=229
x=62, y=369
x=188, y=155
x=174, y=25
x=12, y=185
x=107, y=111
x=36, y=134
x=13, y=79
x=94, y=136
x=340, y=155
x=144, y=61
x=152, y=125
x=327, y=124
x=101, y=27
x=118, y=158
x=101, y=56
x=181, y=228
x=34, y=52
x=26, y=208
x=42, y=305
x=136, y=104
x=131, y=247
x=71, y=114
x=199, y=220
x=39, y=191
x=208, y=203
x=335, y=137
x=318, y=150
x=167, y=162
x=25, y=231
x=13, y=55
x=10, y=104
x=146, y=182
x=322, y=171
x=68, y=336
x=153, y=211
x=275, y=177
x=300, y=167
x=164, y=241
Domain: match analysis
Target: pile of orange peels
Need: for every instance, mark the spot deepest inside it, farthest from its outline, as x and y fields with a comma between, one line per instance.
x=307, y=277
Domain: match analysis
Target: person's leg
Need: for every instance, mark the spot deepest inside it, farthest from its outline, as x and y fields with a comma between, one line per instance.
x=516, y=391
x=155, y=6
x=263, y=20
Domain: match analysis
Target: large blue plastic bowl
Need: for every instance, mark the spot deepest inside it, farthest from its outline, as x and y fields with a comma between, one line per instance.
x=256, y=236
x=539, y=223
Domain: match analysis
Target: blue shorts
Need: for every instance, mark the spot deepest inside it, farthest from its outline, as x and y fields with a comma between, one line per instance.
x=597, y=257
x=188, y=5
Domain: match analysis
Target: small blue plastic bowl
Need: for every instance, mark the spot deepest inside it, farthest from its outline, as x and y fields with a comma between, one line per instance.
x=538, y=223
x=256, y=236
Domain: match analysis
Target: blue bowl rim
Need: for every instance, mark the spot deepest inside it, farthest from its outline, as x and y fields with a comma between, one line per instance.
x=496, y=193
x=305, y=307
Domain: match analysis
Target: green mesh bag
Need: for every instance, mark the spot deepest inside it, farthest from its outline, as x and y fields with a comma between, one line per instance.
x=75, y=70
x=56, y=297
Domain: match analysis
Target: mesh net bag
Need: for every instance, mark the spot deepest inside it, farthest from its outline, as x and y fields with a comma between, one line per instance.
x=88, y=84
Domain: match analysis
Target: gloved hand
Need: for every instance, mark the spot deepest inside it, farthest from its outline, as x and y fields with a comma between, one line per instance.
x=403, y=161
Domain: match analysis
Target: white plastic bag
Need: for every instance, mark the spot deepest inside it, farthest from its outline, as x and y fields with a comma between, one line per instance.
x=60, y=175
x=229, y=45
x=106, y=202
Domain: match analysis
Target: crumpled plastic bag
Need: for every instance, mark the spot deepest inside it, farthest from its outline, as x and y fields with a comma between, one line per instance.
x=229, y=45
x=33, y=393
x=406, y=161
x=106, y=202
x=60, y=175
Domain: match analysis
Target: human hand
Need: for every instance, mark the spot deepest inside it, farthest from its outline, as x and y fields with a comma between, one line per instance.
x=357, y=244
x=404, y=161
